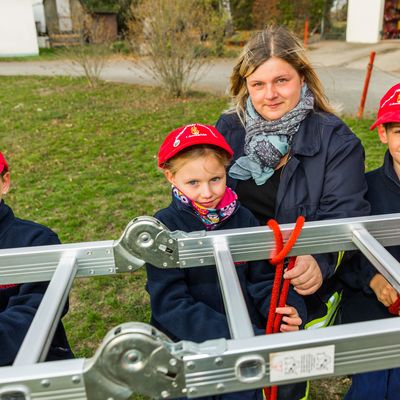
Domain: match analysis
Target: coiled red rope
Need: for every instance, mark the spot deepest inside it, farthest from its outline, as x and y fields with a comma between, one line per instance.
x=279, y=294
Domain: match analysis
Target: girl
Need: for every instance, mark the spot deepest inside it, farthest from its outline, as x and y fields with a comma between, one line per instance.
x=186, y=304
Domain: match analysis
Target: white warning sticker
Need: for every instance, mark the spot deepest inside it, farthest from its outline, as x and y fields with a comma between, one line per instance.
x=305, y=363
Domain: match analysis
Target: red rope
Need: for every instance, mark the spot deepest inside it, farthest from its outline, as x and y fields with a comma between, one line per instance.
x=279, y=295
x=395, y=307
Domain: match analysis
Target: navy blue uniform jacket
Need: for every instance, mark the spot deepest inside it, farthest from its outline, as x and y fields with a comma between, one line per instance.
x=322, y=179
x=187, y=304
x=360, y=302
x=19, y=303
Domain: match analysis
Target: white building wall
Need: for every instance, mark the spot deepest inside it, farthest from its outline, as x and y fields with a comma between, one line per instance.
x=364, y=21
x=17, y=29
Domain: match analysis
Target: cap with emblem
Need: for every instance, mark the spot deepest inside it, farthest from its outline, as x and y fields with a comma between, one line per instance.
x=188, y=136
x=389, y=107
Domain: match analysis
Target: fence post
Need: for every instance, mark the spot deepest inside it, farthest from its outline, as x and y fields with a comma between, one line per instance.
x=305, y=41
x=366, y=84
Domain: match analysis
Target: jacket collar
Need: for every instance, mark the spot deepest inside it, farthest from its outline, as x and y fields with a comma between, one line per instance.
x=307, y=140
x=389, y=169
x=6, y=218
x=5, y=213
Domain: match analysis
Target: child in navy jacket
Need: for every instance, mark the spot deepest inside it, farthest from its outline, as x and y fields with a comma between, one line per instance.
x=186, y=304
x=371, y=294
x=19, y=302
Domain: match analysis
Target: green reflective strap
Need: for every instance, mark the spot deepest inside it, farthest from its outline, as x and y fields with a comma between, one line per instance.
x=332, y=306
x=339, y=259
x=307, y=391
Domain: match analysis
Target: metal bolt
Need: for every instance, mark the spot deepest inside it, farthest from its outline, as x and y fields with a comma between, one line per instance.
x=220, y=387
x=164, y=264
x=132, y=356
x=76, y=379
x=164, y=394
x=174, y=384
x=201, y=260
x=192, y=390
x=144, y=237
x=170, y=241
x=108, y=251
x=183, y=262
x=218, y=361
x=172, y=362
x=190, y=365
x=89, y=252
x=182, y=244
x=130, y=268
x=45, y=383
x=200, y=243
x=91, y=272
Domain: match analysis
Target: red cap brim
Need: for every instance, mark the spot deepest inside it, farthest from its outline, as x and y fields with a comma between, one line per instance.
x=388, y=117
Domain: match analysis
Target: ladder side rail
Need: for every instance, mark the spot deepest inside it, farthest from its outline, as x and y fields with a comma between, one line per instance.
x=55, y=380
x=36, y=264
x=37, y=341
x=379, y=257
x=239, y=321
x=316, y=237
x=146, y=240
x=247, y=363
x=150, y=364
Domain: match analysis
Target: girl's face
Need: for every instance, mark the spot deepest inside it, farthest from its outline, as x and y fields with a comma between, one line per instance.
x=274, y=88
x=4, y=184
x=202, y=179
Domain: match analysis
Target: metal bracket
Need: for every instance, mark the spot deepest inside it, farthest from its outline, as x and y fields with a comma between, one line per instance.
x=134, y=357
x=146, y=238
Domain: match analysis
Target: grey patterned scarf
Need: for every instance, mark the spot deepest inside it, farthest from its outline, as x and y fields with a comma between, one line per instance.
x=267, y=142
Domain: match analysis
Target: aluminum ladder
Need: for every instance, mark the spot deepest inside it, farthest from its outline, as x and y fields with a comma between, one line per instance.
x=135, y=357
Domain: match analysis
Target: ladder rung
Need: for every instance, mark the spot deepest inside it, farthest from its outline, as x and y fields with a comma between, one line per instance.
x=379, y=257
x=36, y=344
x=236, y=310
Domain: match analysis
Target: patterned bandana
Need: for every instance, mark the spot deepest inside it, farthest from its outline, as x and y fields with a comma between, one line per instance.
x=266, y=142
x=210, y=217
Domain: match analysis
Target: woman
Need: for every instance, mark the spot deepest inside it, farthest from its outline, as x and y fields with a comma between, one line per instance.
x=292, y=155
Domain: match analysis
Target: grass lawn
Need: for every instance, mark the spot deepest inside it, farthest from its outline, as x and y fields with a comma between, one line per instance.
x=83, y=161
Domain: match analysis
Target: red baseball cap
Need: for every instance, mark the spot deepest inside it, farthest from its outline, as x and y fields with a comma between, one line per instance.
x=389, y=107
x=3, y=163
x=190, y=135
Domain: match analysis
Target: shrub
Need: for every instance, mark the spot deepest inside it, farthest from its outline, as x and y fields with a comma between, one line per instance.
x=173, y=36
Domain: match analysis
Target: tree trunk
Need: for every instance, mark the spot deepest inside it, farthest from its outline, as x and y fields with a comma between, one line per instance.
x=326, y=18
x=226, y=6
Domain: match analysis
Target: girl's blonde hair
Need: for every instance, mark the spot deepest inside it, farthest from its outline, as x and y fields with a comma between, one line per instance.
x=274, y=41
x=175, y=163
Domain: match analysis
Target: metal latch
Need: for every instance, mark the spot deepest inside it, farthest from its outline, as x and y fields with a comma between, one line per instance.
x=146, y=239
x=17, y=392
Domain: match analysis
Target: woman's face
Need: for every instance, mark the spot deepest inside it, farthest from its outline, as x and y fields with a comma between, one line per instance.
x=274, y=88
